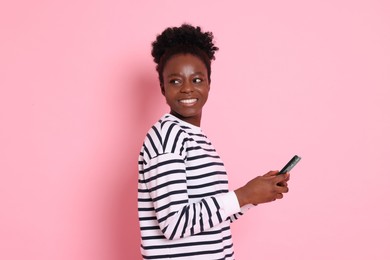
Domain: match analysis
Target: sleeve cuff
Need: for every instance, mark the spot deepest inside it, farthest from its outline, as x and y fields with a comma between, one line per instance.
x=230, y=203
x=246, y=207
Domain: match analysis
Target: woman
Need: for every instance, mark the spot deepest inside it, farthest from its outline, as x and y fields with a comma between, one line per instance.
x=185, y=207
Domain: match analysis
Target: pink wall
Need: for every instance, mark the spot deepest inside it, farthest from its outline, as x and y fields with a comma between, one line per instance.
x=79, y=91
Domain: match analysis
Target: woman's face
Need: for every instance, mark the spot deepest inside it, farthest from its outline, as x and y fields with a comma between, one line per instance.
x=186, y=87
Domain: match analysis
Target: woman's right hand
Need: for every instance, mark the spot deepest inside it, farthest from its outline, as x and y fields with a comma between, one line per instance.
x=262, y=189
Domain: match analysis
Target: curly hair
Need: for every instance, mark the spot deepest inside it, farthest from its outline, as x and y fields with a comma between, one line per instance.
x=182, y=40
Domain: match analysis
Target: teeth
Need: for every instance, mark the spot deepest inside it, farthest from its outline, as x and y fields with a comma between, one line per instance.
x=188, y=101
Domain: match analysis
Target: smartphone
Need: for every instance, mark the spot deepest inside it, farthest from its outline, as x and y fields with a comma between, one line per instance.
x=290, y=164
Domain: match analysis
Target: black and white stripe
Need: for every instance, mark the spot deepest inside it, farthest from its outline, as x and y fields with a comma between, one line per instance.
x=181, y=190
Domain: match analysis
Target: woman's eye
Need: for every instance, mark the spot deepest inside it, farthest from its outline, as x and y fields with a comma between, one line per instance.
x=197, y=80
x=174, y=81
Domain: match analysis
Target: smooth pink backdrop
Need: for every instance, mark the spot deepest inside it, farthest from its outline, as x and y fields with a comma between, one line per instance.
x=79, y=92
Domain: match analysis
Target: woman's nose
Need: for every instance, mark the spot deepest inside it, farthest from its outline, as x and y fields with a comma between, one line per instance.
x=187, y=87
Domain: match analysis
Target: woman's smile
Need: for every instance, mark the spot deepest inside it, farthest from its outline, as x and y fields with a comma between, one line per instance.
x=188, y=101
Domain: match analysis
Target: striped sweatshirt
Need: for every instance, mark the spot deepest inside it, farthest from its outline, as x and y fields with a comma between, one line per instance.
x=184, y=204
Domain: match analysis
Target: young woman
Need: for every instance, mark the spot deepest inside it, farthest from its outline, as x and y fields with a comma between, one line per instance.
x=185, y=207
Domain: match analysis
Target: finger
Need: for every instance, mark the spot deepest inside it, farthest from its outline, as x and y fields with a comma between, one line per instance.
x=282, y=184
x=279, y=196
x=281, y=178
x=271, y=173
x=282, y=189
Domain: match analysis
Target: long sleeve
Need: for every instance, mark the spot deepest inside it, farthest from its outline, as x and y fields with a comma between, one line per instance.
x=166, y=181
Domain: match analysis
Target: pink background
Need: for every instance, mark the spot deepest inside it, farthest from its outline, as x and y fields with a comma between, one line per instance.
x=79, y=91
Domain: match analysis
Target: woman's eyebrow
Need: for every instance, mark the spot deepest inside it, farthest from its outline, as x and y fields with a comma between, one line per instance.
x=199, y=72
x=174, y=75
x=179, y=75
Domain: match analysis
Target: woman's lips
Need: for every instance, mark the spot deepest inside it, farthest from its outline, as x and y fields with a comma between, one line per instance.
x=188, y=101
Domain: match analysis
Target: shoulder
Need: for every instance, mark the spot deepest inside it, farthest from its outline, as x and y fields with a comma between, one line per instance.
x=167, y=135
x=165, y=128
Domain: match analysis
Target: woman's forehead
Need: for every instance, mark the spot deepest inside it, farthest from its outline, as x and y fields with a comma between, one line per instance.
x=185, y=63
